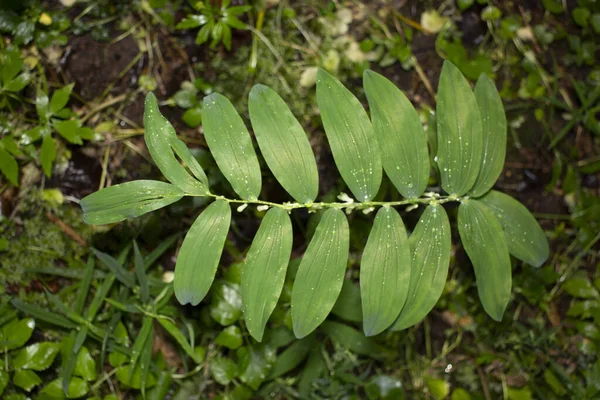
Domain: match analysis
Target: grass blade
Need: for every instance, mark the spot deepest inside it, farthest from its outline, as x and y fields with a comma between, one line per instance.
x=350, y=135
x=200, y=253
x=43, y=314
x=400, y=134
x=155, y=254
x=231, y=146
x=385, y=272
x=493, y=121
x=140, y=273
x=459, y=129
x=124, y=276
x=484, y=242
x=179, y=338
x=430, y=245
x=84, y=285
x=321, y=273
x=283, y=144
x=140, y=343
x=264, y=272
x=127, y=200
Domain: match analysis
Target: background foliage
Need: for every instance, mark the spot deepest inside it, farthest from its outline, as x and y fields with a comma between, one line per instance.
x=543, y=60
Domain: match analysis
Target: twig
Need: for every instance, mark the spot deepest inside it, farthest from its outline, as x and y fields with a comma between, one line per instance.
x=66, y=229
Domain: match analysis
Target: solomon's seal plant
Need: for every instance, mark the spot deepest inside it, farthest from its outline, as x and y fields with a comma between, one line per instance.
x=401, y=276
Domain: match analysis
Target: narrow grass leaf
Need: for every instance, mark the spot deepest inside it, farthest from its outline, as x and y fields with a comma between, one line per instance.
x=179, y=338
x=99, y=296
x=140, y=273
x=493, y=121
x=200, y=253
x=123, y=275
x=525, y=238
x=128, y=200
x=459, y=129
x=145, y=360
x=350, y=135
x=385, y=272
x=283, y=144
x=155, y=254
x=161, y=140
x=400, y=134
x=430, y=244
x=483, y=240
x=321, y=273
x=140, y=343
x=43, y=314
x=231, y=146
x=84, y=285
x=264, y=271
x=9, y=167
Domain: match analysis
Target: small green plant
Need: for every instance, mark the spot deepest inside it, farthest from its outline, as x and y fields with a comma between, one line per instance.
x=401, y=277
x=215, y=21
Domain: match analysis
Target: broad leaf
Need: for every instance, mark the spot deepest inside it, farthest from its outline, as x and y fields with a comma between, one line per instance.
x=493, y=121
x=284, y=144
x=231, y=146
x=16, y=333
x=525, y=238
x=459, y=129
x=26, y=379
x=350, y=135
x=264, y=272
x=9, y=167
x=77, y=388
x=68, y=130
x=254, y=363
x=38, y=356
x=11, y=65
x=160, y=138
x=292, y=357
x=385, y=272
x=200, y=253
x=47, y=154
x=60, y=98
x=128, y=200
x=19, y=83
x=430, y=245
x=321, y=273
x=400, y=134
x=484, y=242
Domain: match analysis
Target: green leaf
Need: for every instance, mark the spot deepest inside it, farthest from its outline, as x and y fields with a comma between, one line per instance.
x=146, y=333
x=459, y=129
x=525, y=238
x=4, y=379
x=47, y=154
x=77, y=388
x=223, y=370
x=581, y=288
x=292, y=357
x=16, y=333
x=192, y=117
x=254, y=363
x=385, y=272
x=60, y=98
x=430, y=244
x=494, y=135
x=140, y=273
x=315, y=368
x=384, y=387
x=128, y=200
x=350, y=135
x=231, y=146
x=226, y=303
x=200, y=253
x=482, y=238
x=230, y=337
x=400, y=134
x=178, y=336
x=134, y=380
x=68, y=130
x=11, y=65
x=283, y=144
x=264, y=272
x=85, y=366
x=160, y=138
x=348, y=305
x=19, y=83
x=321, y=273
x=191, y=21
x=38, y=356
x=122, y=274
x=9, y=167
x=42, y=314
x=439, y=388
x=84, y=285
x=26, y=379
x=352, y=339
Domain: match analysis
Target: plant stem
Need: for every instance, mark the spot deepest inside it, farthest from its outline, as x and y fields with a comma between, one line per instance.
x=430, y=198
